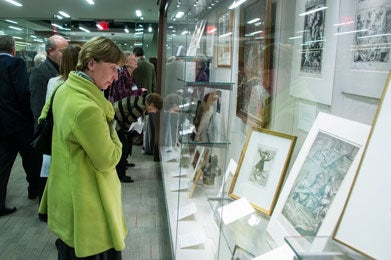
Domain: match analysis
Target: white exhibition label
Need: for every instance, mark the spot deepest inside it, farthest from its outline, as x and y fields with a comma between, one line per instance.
x=283, y=252
x=192, y=239
x=235, y=210
x=187, y=210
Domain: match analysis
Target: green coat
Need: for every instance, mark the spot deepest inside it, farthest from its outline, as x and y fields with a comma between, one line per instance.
x=83, y=193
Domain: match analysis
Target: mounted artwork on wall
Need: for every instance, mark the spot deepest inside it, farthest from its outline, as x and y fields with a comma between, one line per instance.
x=224, y=39
x=318, y=184
x=261, y=168
x=254, y=79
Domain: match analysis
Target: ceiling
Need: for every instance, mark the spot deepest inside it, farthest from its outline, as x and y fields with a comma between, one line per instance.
x=36, y=17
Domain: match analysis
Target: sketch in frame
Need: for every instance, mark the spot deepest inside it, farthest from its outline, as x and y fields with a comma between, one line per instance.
x=254, y=76
x=318, y=181
x=262, y=167
x=241, y=254
x=224, y=40
x=371, y=43
x=261, y=170
x=313, y=38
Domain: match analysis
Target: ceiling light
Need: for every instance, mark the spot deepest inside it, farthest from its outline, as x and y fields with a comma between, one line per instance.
x=179, y=14
x=100, y=27
x=15, y=28
x=236, y=4
x=254, y=20
x=11, y=21
x=313, y=11
x=83, y=29
x=138, y=13
x=14, y=2
x=126, y=29
x=64, y=14
x=57, y=25
x=150, y=29
x=91, y=2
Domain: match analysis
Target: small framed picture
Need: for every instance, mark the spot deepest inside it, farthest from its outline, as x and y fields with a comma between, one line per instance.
x=261, y=168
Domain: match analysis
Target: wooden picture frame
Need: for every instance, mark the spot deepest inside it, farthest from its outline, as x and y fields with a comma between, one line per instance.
x=198, y=171
x=255, y=61
x=365, y=221
x=262, y=167
x=224, y=39
x=317, y=186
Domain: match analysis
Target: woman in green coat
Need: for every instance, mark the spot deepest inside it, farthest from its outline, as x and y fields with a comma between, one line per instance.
x=83, y=193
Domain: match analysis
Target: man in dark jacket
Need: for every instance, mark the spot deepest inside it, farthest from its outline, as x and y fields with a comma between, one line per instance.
x=16, y=122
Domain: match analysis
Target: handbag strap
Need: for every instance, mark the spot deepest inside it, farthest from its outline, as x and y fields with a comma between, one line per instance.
x=50, y=111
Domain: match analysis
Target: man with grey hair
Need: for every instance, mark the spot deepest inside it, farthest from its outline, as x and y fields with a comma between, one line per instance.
x=39, y=79
x=16, y=121
x=41, y=74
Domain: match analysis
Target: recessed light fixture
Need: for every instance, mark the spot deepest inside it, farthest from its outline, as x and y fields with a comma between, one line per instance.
x=14, y=2
x=11, y=21
x=64, y=14
x=15, y=28
x=138, y=13
x=126, y=29
x=179, y=14
x=150, y=29
x=91, y=2
x=84, y=29
x=236, y=4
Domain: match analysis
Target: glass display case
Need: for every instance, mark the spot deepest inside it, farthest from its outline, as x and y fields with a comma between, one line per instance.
x=294, y=72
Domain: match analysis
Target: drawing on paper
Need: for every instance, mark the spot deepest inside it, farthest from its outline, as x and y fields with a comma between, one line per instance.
x=319, y=179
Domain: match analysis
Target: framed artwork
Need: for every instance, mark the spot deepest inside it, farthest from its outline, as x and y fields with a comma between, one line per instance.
x=372, y=183
x=198, y=171
x=261, y=168
x=224, y=39
x=241, y=254
x=228, y=177
x=196, y=158
x=314, y=48
x=363, y=56
x=196, y=38
x=320, y=179
x=254, y=72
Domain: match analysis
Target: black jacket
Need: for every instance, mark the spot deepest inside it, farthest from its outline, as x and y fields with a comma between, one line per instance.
x=15, y=110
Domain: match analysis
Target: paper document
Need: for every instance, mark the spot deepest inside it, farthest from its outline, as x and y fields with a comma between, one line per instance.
x=137, y=126
x=235, y=210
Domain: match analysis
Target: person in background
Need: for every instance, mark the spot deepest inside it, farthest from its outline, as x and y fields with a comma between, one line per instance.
x=126, y=86
x=127, y=111
x=16, y=121
x=68, y=64
x=145, y=77
x=39, y=58
x=82, y=196
x=39, y=78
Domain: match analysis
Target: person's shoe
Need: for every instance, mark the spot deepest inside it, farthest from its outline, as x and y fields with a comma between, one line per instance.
x=33, y=195
x=7, y=211
x=43, y=217
x=126, y=179
x=130, y=164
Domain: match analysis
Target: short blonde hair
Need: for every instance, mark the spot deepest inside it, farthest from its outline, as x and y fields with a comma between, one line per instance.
x=100, y=49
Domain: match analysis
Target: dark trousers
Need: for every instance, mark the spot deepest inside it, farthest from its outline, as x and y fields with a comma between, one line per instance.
x=121, y=166
x=66, y=252
x=10, y=146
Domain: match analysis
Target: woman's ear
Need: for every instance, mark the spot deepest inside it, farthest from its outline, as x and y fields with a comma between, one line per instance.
x=91, y=65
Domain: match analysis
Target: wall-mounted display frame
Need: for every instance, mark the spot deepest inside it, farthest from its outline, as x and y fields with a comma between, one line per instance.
x=261, y=169
x=363, y=56
x=314, y=48
x=372, y=182
x=318, y=184
x=224, y=39
x=255, y=54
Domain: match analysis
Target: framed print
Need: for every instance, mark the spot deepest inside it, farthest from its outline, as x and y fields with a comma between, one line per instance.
x=255, y=48
x=224, y=39
x=364, y=56
x=241, y=254
x=228, y=177
x=198, y=170
x=372, y=183
x=196, y=38
x=261, y=168
x=314, y=48
x=318, y=184
x=196, y=158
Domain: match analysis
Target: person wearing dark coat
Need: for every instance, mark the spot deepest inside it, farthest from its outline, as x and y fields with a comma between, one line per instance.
x=16, y=122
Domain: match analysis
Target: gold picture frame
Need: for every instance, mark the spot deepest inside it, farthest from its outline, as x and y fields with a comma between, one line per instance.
x=262, y=167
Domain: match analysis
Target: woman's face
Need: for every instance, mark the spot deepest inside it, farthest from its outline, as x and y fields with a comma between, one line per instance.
x=102, y=73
